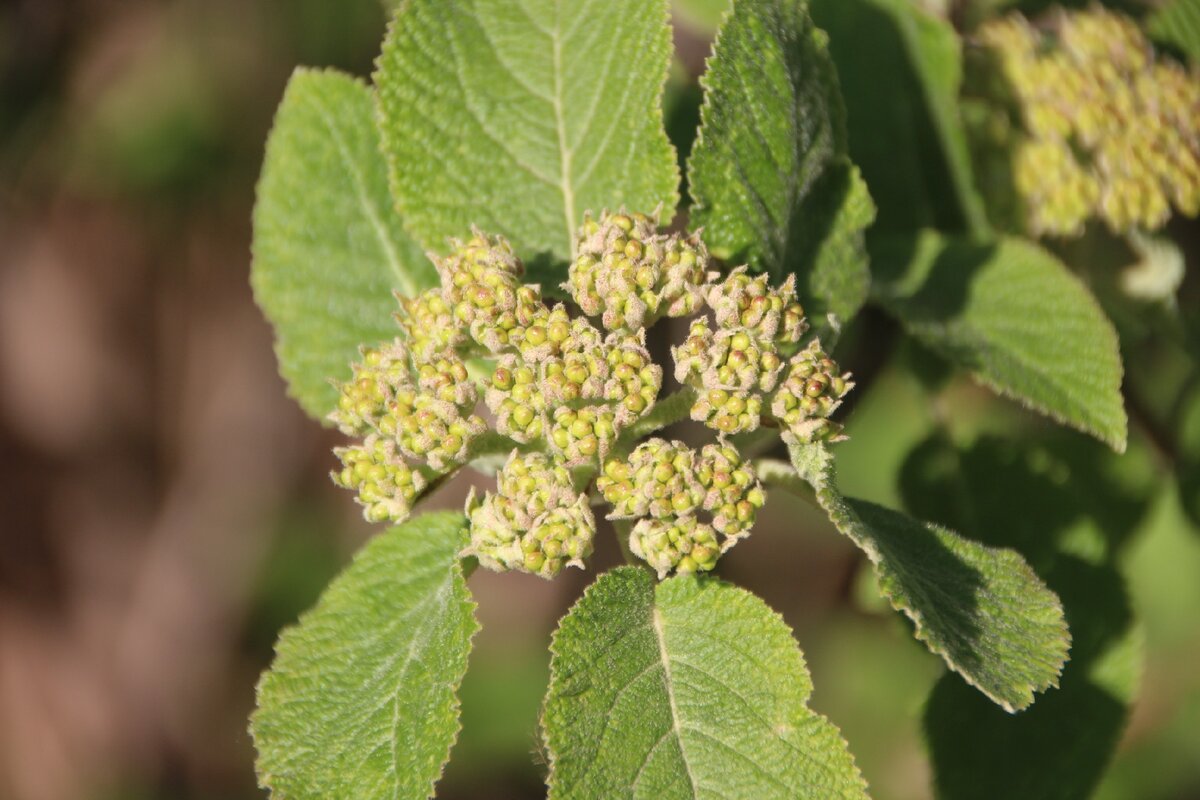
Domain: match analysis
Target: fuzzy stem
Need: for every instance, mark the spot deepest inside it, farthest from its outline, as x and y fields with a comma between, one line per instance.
x=778, y=474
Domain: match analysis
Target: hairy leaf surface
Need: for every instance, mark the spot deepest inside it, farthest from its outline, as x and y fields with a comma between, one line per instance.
x=1015, y=317
x=773, y=185
x=360, y=703
x=518, y=116
x=983, y=610
x=689, y=688
x=329, y=249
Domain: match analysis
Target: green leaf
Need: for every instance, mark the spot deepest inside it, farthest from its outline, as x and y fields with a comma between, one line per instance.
x=328, y=248
x=983, y=610
x=1177, y=25
x=1079, y=504
x=520, y=116
x=361, y=699
x=1016, y=318
x=687, y=688
x=769, y=173
x=900, y=69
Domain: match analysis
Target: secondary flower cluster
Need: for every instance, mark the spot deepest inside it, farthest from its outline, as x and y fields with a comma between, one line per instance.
x=569, y=399
x=1106, y=129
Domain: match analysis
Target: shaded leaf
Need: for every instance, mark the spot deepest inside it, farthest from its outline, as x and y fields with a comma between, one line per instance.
x=982, y=610
x=1016, y=318
x=686, y=688
x=769, y=174
x=328, y=248
x=1177, y=25
x=360, y=701
x=900, y=70
x=520, y=116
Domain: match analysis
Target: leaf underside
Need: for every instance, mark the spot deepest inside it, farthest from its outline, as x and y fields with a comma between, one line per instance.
x=360, y=702
x=1016, y=318
x=518, y=116
x=689, y=688
x=773, y=185
x=328, y=247
x=983, y=610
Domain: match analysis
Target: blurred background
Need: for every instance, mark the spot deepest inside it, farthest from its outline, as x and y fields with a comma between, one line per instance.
x=165, y=508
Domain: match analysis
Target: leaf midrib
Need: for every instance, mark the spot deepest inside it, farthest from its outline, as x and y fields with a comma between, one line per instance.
x=669, y=684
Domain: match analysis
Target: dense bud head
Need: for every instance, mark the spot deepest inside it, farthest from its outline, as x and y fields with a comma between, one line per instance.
x=1106, y=130
x=515, y=396
x=634, y=380
x=387, y=487
x=630, y=273
x=682, y=545
x=750, y=303
x=732, y=492
x=582, y=435
x=535, y=523
x=658, y=479
x=812, y=391
x=480, y=284
x=428, y=324
x=364, y=399
x=431, y=430
x=581, y=369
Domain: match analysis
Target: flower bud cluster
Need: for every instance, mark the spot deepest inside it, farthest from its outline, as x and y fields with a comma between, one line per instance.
x=405, y=407
x=566, y=394
x=735, y=367
x=536, y=522
x=630, y=273
x=812, y=391
x=1107, y=130
x=674, y=490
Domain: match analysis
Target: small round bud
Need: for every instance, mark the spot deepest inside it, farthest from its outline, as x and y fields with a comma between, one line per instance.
x=515, y=396
x=658, y=478
x=732, y=492
x=634, y=379
x=750, y=304
x=364, y=399
x=583, y=435
x=428, y=324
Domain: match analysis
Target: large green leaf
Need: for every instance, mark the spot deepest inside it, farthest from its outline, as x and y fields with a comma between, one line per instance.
x=983, y=610
x=519, y=115
x=689, y=688
x=1079, y=504
x=769, y=173
x=360, y=703
x=900, y=69
x=328, y=248
x=1016, y=318
x=1177, y=24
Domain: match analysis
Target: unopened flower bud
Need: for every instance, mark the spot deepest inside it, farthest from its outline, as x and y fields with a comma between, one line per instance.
x=515, y=396
x=364, y=399
x=750, y=303
x=633, y=378
x=659, y=478
x=432, y=430
x=583, y=435
x=728, y=412
x=732, y=492
x=428, y=324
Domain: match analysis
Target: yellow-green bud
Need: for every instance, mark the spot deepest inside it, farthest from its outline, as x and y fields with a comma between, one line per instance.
x=682, y=545
x=387, y=486
x=812, y=391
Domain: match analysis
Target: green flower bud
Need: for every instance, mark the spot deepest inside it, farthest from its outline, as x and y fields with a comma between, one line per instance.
x=387, y=486
x=364, y=399
x=581, y=370
x=658, y=478
x=682, y=545
x=427, y=324
x=812, y=391
x=535, y=483
x=514, y=395
x=732, y=492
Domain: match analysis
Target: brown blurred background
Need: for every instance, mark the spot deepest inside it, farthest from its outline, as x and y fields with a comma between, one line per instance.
x=165, y=508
